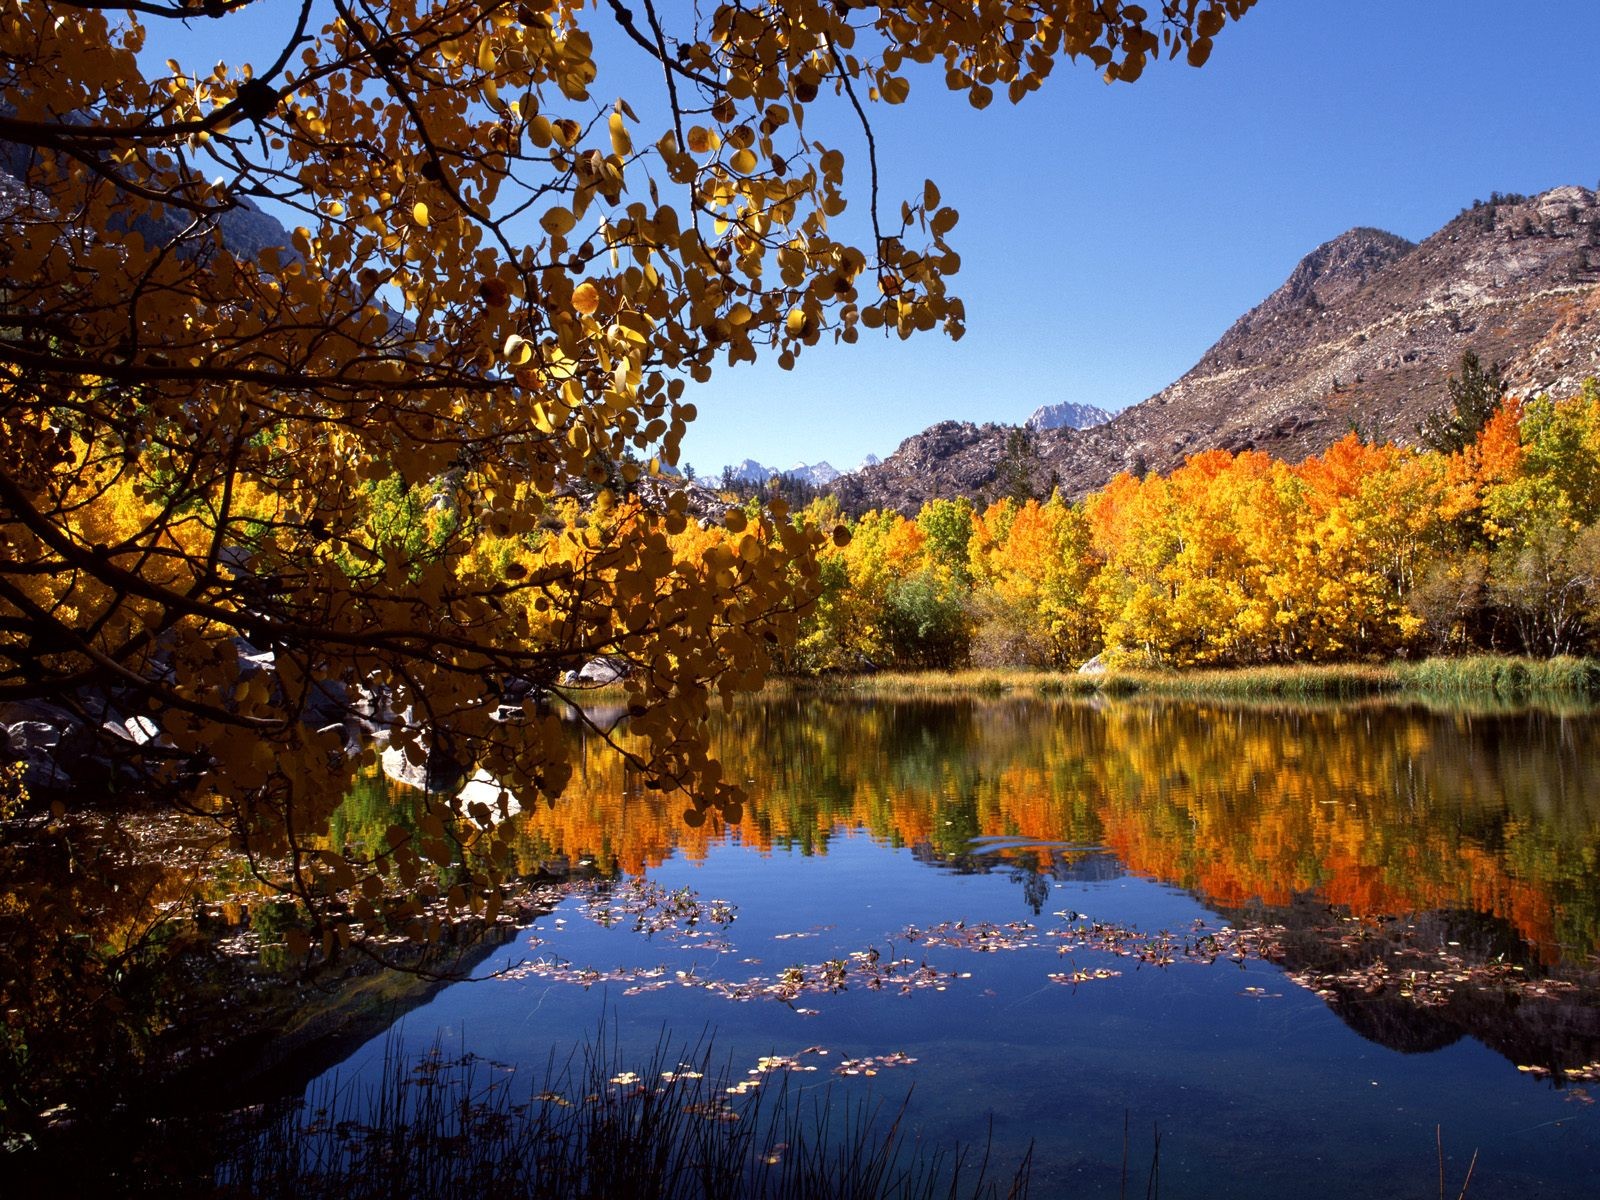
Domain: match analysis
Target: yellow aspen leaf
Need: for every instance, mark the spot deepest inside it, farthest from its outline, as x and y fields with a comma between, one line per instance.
x=621, y=143
x=419, y=213
x=517, y=350
x=557, y=222
x=586, y=298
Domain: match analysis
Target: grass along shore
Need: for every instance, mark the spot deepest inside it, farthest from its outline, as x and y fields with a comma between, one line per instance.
x=677, y=1126
x=1483, y=676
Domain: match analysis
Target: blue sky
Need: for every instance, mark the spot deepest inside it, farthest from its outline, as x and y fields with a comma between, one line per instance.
x=1109, y=234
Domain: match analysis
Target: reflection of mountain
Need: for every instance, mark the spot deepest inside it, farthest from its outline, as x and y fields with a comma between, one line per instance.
x=1032, y=869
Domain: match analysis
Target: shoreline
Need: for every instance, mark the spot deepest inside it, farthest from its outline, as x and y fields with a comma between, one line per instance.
x=1480, y=677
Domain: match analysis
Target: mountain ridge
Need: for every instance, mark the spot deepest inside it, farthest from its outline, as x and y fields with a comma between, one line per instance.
x=1362, y=334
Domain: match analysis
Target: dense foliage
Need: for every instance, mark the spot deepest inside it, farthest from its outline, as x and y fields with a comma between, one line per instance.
x=254, y=485
x=1364, y=551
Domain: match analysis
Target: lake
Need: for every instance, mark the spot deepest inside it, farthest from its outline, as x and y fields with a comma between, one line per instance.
x=1301, y=945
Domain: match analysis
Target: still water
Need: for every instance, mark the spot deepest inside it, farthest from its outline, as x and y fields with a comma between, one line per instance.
x=1303, y=944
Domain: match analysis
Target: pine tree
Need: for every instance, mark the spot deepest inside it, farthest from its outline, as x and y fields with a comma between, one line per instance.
x=1474, y=395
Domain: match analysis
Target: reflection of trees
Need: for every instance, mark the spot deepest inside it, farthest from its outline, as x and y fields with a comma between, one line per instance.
x=1376, y=808
x=1035, y=886
x=1418, y=982
x=87, y=944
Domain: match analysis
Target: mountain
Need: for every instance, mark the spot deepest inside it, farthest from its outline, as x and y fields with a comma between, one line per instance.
x=748, y=470
x=1363, y=334
x=817, y=474
x=1077, y=416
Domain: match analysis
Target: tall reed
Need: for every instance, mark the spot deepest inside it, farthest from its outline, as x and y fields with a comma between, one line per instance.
x=587, y=1127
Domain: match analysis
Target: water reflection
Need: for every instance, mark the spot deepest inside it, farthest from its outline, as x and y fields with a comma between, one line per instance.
x=1426, y=880
x=1430, y=874
x=1375, y=809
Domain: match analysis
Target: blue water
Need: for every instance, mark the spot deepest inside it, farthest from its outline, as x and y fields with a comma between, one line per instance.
x=1253, y=1084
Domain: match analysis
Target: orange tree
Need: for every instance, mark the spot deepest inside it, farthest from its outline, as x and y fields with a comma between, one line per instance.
x=496, y=286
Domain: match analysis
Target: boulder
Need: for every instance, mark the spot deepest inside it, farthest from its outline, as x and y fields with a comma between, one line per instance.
x=598, y=672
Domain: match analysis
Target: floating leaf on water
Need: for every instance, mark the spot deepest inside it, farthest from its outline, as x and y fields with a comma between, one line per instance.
x=1072, y=978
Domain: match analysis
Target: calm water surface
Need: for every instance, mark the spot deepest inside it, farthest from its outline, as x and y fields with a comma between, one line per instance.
x=1295, y=941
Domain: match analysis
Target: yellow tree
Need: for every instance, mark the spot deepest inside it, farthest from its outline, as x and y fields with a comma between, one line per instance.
x=1212, y=578
x=1190, y=560
x=1372, y=516
x=1543, y=516
x=1133, y=522
x=498, y=282
x=1032, y=566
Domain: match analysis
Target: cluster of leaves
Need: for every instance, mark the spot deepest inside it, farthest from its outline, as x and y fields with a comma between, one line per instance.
x=1363, y=551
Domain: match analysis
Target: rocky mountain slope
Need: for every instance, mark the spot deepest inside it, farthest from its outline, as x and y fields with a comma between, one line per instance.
x=1362, y=335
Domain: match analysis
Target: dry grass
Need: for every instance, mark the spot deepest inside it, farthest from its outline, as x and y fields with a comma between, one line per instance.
x=997, y=681
x=1486, y=677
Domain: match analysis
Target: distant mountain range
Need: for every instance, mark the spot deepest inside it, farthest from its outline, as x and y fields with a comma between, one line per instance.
x=817, y=474
x=1363, y=335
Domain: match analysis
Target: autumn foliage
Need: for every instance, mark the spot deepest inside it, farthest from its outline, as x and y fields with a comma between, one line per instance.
x=261, y=485
x=1362, y=552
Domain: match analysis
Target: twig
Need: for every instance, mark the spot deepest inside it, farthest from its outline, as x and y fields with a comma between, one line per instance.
x=1462, y=1195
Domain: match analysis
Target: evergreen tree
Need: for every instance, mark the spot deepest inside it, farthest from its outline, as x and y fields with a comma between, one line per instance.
x=1474, y=395
x=1015, y=472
